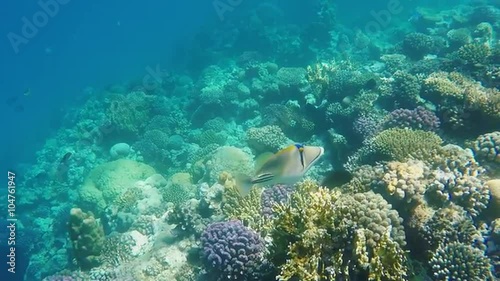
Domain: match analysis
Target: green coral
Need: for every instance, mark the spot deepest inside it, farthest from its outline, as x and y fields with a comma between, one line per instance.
x=108, y=181
x=474, y=54
x=178, y=189
x=269, y=138
x=450, y=224
x=208, y=137
x=87, y=238
x=130, y=113
x=312, y=232
x=415, y=45
x=460, y=262
x=228, y=159
x=459, y=37
x=406, y=88
x=487, y=147
x=401, y=144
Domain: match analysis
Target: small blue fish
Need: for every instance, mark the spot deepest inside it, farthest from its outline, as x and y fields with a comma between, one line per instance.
x=415, y=17
x=286, y=166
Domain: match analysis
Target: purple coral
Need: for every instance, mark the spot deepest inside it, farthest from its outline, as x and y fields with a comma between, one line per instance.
x=278, y=193
x=367, y=126
x=418, y=118
x=231, y=251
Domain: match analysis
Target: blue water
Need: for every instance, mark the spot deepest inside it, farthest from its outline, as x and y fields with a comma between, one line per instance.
x=84, y=45
x=360, y=84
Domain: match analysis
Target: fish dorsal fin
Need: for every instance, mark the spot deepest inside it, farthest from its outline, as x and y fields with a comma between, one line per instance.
x=279, y=162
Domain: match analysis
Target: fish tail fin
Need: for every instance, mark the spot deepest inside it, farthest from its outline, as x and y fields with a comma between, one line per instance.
x=243, y=183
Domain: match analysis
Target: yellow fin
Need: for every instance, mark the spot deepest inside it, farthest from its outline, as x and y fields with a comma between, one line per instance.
x=243, y=184
x=261, y=159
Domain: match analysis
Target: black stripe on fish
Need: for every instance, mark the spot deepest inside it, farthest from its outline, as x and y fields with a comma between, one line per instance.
x=263, y=178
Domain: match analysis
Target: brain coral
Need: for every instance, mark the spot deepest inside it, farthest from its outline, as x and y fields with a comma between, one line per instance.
x=107, y=181
x=231, y=251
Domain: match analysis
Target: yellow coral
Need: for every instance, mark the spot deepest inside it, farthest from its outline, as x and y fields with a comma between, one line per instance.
x=244, y=208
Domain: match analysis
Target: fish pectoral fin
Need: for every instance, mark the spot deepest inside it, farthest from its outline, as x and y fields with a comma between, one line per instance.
x=262, y=178
x=243, y=184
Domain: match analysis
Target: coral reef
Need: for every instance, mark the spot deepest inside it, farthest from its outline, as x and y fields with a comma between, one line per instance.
x=231, y=251
x=418, y=118
x=400, y=144
x=408, y=115
x=323, y=223
x=87, y=238
x=457, y=261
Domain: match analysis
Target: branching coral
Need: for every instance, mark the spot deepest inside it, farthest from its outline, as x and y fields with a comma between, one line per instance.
x=406, y=88
x=416, y=45
x=447, y=225
x=401, y=144
x=266, y=139
x=461, y=262
x=474, y=54
x=245, y=208
x=455, y=90
x=324, y=224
